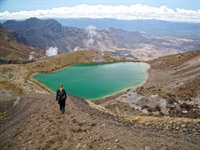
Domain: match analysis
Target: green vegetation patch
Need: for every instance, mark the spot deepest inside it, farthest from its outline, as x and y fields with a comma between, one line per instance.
x=2, y=78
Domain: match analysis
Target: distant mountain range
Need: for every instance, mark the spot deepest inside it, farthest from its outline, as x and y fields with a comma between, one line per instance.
x=153, y=27
x=50, y=33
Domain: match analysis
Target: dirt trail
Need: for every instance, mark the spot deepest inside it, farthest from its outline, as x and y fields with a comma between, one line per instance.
x=36, y=123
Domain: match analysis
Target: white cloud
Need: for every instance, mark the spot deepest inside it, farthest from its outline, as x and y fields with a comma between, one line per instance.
x=137, y=11
x=52, y=51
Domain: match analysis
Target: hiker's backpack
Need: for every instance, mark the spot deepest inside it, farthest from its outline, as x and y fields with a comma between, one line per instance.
x=61, y=95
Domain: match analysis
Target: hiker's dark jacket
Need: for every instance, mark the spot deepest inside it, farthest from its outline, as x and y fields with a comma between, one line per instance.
x=61, y=95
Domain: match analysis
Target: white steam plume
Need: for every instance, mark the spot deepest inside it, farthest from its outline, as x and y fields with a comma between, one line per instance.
x=91, y=35
x=77, y=48
x=52, y=51
x=31, y=55
x=94, y=39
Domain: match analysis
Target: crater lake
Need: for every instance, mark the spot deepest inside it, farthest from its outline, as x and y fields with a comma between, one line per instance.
x=96, y=81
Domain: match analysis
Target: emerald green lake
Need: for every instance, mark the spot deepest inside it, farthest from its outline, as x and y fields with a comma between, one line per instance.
x=94, y=81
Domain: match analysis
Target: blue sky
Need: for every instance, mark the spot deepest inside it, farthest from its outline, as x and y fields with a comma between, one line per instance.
x=21, y=5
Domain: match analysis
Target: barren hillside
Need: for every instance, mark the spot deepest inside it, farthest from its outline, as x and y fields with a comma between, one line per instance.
x=14, y=48
x=30, y=118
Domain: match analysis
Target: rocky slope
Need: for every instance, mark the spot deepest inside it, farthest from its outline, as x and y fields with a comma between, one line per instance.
x=14, y=48
x=30, y=118
x=36, y=123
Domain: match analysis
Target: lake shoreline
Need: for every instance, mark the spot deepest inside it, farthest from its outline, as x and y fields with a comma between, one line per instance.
x=87, y=63
x=41, y=85
x=100, y=99
x=124, y=91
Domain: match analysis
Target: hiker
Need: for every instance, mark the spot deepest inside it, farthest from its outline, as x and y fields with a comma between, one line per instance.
x=61, y=97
